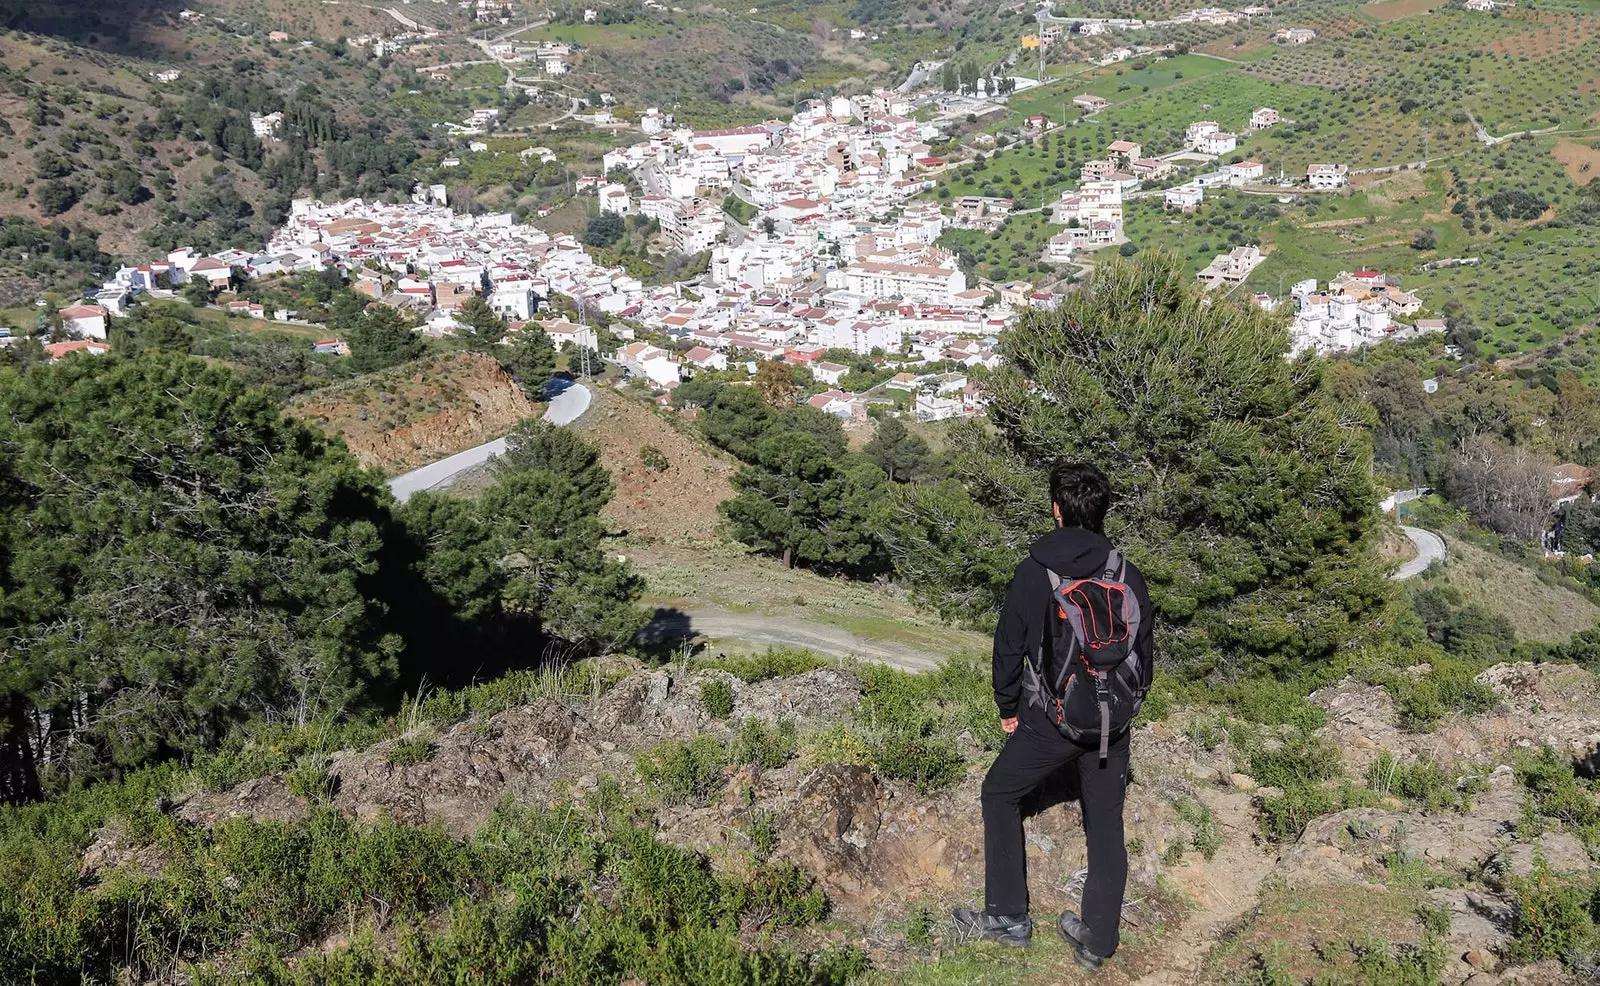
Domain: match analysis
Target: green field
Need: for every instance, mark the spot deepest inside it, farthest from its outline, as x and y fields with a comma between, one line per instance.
x=596, y=35
x=1115, y=83
x=1013, y=251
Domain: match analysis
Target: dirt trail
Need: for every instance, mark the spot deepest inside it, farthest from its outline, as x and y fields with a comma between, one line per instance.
x=714, y=623
x=1224, y=890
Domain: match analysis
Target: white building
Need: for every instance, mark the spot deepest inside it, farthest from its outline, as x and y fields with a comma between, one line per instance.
x=1328, y=175
x=644, y=360
x=1186, y=198
x=934, y=283
x=1218, y=142
x=1231, y=267
x=84, y=320
x=266, y=127
x=615, y=198
x=1264, y=117
x=513, y=299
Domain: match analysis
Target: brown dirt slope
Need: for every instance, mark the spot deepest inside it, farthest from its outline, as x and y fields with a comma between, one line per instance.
x=677, y=505
x=414, y=414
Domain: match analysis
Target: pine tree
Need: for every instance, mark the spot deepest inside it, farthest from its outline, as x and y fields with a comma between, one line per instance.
x=1242, y=484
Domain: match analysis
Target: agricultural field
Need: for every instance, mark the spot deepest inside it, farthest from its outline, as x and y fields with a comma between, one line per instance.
x=1013, y=251
x=1467, y=136
x=630, y=35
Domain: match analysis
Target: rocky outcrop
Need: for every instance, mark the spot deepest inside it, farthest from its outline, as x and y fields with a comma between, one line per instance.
x=464, y=772
x=876, y=844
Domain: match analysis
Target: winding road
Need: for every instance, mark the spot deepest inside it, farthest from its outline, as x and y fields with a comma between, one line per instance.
x=564, y=408
x=1430, y=546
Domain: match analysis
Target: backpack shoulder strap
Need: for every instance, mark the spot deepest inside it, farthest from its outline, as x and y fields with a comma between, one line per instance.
x=1116, y=566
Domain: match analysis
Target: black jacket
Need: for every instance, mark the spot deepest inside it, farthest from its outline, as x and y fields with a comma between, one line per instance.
x=1070, y=552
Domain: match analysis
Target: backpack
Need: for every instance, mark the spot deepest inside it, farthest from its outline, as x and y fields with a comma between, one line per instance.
x=1095, y=682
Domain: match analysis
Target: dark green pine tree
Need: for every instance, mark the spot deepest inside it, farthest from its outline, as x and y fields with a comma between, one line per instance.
x=1242, y=485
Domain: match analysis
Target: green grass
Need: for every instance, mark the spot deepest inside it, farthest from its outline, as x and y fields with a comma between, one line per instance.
x=596, y=35
x=1123, y=81
x=1537, y=610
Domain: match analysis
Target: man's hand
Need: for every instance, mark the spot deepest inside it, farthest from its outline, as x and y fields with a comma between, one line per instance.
x=1009, y=725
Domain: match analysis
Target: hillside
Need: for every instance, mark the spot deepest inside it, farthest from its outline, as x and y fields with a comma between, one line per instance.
x=1536, y=609
x=420, y=412
x=602, y=797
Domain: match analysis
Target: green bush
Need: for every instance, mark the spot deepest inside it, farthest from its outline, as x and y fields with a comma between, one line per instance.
x=784, y=895
x=716, y=694
x=1284, y=817
x=930, y=764
x=1207, y=836
x=775, y=662
x=760, y=744
x=1300, y=760
x=835, y=744
x=1420, y=781
x=1558, y=793
x=1553, y=917
x=409, y=751
x=1447, y=687
x=679, y=772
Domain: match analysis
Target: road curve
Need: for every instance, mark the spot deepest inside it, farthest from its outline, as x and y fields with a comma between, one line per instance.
x=1430, y=548
x=564, y=408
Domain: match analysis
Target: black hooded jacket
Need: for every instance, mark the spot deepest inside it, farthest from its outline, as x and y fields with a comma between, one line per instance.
x=1070, y=552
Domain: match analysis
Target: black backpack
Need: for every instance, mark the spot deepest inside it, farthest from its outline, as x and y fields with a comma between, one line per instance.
x=1094, y=683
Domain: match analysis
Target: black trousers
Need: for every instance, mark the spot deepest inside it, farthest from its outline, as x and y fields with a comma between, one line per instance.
x=1031, y=755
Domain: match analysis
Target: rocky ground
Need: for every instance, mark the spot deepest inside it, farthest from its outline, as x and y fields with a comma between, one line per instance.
x=1210, y=899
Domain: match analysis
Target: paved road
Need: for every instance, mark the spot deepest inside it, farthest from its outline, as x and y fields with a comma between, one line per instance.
x=1430, y=548
x=712, y=623
x=563, y=409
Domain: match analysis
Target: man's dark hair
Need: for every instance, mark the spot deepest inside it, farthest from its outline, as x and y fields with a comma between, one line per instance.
x=1082, y=493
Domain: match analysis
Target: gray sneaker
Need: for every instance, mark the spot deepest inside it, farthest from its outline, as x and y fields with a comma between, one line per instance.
x=1015, y=930
x=1075, y=933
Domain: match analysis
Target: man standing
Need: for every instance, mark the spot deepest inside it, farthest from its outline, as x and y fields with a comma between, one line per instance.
x=1032, y=629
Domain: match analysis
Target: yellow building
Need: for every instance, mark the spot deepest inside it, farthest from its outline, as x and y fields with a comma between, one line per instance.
x=1030, y=41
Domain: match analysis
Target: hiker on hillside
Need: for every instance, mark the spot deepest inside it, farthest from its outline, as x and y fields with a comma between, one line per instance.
x=1072, y=662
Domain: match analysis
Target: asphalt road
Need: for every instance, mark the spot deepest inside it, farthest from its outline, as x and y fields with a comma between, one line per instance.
x=1430, y=548
x=563, y=409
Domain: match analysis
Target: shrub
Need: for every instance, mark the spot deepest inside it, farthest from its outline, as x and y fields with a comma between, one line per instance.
x=784, y=895
x=930, y=764
x=836, y=744
x=1300, y=760
x=775, y=662
x=409, y=751
x=654, y=459
x=761, y=744
x=716, y=694
x=761, y=827
x=1284, y=817
x=1207, y=836
x=1420, y=781
x=679, y=772
x=1553, y=918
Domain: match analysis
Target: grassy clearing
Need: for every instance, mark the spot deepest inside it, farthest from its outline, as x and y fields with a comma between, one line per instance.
x=1536, y=609
x=1308, y=933
x=1390, y=10
x=596, y=35
x=725, y=576
x=1117, y=83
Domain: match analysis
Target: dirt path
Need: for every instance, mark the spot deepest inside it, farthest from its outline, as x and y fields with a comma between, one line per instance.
x=712, y=623
x=1223, y=890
